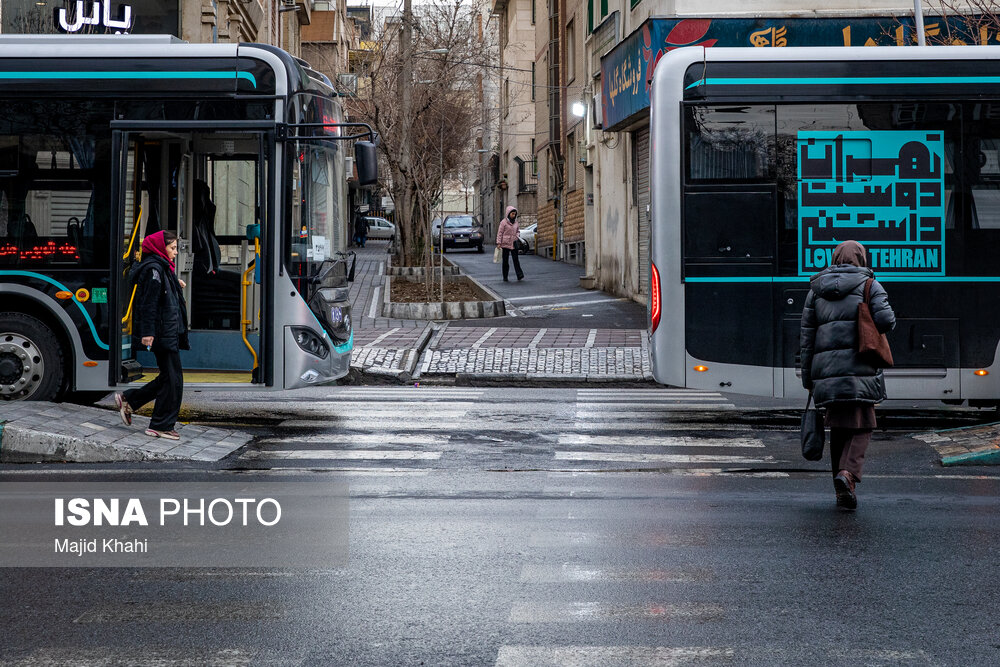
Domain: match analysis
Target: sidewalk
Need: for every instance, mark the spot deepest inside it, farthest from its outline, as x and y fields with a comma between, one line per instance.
x=547, y=335
x=32, y=431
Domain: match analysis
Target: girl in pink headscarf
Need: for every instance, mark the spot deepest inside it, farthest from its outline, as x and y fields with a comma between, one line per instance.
x=159, y=324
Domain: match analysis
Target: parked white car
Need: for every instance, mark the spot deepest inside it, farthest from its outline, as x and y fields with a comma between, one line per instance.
x=528, y=236
x=380, y=228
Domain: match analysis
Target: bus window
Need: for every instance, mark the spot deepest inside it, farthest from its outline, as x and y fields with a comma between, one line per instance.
x=730, y=144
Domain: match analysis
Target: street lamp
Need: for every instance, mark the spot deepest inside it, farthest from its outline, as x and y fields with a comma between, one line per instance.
x=578, y=109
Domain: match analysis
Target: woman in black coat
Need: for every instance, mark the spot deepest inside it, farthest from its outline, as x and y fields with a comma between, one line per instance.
x=840, y=380
x=159, y=323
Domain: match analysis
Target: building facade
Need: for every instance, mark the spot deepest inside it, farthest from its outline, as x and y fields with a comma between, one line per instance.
x=595, y=58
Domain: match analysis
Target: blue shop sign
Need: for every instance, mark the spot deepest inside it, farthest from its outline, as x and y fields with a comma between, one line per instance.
x=627, y=71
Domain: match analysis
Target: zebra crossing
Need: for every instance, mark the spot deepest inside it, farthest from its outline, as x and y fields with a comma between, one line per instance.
x=359, y=429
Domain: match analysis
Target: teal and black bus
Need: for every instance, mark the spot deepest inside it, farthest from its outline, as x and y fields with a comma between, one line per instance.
x=238, y=148
x=765, y=159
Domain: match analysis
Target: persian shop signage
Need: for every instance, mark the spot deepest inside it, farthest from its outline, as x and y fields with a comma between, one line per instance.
x=627, y=71
x=121, y=23
x=91, y=17
x=884, y=189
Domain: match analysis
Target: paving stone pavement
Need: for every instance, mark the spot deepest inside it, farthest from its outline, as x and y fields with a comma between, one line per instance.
x=39, y=431
x=413, y=349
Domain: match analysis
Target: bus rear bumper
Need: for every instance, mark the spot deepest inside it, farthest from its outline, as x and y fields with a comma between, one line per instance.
x=303, y=369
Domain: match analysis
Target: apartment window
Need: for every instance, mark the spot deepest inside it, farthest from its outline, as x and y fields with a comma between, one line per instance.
x=571, y=50
x=534, y=160
x=590, y=16
x=506, y=97
x=532, y=81
x=533, y=11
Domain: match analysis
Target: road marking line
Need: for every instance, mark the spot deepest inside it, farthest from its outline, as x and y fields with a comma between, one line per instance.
x=624, y=457
x=360, y=439
x=378, y=340
x=633, y=403
x=658, y=410
x=537, y=339
x=570, y=304
x=572, y=612
x=347, y=455
x=398, y=407
x=483, y=338
x=545, y=296
x=591, y=337
x=646, y=441
x=642, y=393
x=609, y=656
x=375, y=296
x=352, y=472
x=381, y=268
x=571, y=572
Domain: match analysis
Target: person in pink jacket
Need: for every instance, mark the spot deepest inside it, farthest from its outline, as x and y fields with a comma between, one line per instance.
x=507, y=236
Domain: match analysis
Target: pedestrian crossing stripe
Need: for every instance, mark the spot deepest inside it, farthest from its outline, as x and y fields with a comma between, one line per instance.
x=653, y=410
x=653, y=441
x=351, y=454
x=563, y=573
x=359, y=439
x=597, y=405
x=626, y=457
x=643, y=656
x=573, y=612
x=489, y=424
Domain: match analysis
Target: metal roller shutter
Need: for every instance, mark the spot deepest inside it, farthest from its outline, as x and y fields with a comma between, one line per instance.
x=641, y=161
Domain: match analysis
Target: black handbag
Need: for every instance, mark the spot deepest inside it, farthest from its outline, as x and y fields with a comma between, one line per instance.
x=813, y=433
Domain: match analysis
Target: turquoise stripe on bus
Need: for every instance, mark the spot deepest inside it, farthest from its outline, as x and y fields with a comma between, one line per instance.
x=881, y=279
x=347, y=346
x=130, y=75
x=860, y=80
x=31, y=274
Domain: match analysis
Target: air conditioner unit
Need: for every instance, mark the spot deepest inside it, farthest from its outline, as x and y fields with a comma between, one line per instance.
x=596, y=112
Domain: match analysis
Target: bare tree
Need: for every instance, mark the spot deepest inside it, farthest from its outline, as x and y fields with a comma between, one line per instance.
x=425, y=144
x=963, y=22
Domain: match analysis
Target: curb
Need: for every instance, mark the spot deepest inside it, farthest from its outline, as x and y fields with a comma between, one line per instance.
x=51, y=432
x=989, y=456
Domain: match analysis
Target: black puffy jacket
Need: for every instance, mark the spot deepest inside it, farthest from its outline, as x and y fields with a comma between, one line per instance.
x=831, y=367
x=159, y=309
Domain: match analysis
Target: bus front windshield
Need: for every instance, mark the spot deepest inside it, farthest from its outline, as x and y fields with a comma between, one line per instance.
x=319, y=217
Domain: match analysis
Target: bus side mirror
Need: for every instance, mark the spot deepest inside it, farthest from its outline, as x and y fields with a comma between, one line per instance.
x=366, y=162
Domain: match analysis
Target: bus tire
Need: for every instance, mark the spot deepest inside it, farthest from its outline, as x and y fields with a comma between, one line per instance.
x=31, y=363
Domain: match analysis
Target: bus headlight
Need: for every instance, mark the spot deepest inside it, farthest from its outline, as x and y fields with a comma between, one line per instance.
x=308, y=341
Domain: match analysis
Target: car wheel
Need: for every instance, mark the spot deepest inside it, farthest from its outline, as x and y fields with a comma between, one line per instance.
x=31, y=364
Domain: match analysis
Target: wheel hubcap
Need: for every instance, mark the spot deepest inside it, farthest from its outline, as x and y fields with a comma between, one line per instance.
x=21, y=366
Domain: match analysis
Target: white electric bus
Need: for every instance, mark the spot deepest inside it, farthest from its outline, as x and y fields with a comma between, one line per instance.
x=238, y=148
x=765, y=159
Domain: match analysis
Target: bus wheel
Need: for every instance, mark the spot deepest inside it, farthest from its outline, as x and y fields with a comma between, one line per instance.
x=30, y=361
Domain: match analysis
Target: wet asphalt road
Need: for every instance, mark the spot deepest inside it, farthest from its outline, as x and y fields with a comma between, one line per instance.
x=551, y=527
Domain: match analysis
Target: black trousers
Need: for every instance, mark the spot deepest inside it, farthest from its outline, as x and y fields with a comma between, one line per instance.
x=507, y=252
x=167, y=389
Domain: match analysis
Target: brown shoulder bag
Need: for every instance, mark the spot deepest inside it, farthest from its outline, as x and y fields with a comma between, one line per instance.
x=873, y=346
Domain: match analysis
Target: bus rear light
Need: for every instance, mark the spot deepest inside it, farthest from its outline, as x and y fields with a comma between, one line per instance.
x=981, y=372
x=701, y=369
x=654, y=295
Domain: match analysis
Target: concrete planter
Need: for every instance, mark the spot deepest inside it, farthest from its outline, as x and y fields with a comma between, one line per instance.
x=489, y=305
x=419, y=271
